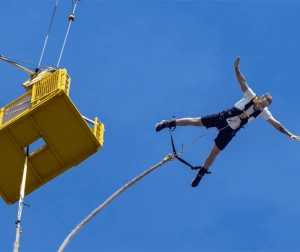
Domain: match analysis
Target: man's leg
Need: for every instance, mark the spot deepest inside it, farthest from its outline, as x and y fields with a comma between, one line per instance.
x=178, y=122
x=189, y=122
x=215, y=151
x=221, y=141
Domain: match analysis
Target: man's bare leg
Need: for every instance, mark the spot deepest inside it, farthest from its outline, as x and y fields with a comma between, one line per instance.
x=178, y=122
x=215, y=151
x=208, y=162
x=189, y=122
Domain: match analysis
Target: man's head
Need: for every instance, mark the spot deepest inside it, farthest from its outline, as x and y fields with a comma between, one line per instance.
x=263, y=101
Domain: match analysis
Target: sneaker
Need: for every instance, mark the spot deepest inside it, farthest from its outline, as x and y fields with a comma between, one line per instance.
x=199, y=176
x=165, y=124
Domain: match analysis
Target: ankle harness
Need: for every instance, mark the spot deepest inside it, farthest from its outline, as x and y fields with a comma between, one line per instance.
x=176, y=155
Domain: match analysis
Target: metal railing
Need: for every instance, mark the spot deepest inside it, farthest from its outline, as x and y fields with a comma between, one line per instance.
x=57, y=80
x=40, y=90
x=98, y=130
x=16, y=107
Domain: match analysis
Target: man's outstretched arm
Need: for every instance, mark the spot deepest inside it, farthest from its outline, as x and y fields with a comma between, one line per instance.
x=277, y=125
x=241, y=79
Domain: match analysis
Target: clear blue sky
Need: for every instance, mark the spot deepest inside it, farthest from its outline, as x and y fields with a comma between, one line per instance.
x=134, y=63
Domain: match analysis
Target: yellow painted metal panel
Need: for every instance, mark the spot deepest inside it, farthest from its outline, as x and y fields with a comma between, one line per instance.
x=52, y=116
x=10, y=166
x=24, y=132
x=65, y=129
x=11, y=169
x=46, y=169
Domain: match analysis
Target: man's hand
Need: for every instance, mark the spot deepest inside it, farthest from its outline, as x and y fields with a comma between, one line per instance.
x=237, y=62
x=293, y=137
x=241, y=79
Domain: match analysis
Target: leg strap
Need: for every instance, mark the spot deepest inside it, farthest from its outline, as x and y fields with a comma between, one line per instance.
x=180, y=159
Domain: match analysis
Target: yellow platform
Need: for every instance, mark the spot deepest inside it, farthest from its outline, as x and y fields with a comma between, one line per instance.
x=46, y=112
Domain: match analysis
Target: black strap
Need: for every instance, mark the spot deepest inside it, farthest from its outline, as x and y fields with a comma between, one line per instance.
x=180, y=159
x=244, y=121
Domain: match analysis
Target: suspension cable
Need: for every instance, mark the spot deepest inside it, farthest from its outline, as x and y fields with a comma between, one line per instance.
x=45, y=43
x=13, y=60
x=71, y=19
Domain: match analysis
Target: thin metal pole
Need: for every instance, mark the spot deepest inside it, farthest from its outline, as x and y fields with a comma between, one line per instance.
x=21, y=203
x=88, y=120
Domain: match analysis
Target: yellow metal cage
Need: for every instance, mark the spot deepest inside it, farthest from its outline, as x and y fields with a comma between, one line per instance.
x=47, y=113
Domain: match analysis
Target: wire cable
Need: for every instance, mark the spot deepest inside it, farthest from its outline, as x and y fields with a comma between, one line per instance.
x=71, y=19
x=47, y=36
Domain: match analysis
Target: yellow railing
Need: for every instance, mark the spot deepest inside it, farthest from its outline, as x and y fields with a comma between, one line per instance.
x=15, y=108
x=57, y=80
x=41, y=89
x=98, y=130
x=65, y=81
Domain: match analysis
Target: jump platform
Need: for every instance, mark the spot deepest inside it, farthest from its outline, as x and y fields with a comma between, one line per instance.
x=44, y=113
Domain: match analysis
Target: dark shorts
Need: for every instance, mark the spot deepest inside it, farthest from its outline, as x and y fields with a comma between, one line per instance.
x=226, y=133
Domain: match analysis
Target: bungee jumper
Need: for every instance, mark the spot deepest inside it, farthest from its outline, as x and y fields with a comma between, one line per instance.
x=228, y=122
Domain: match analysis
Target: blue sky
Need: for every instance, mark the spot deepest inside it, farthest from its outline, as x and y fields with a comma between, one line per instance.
x=134, y=63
